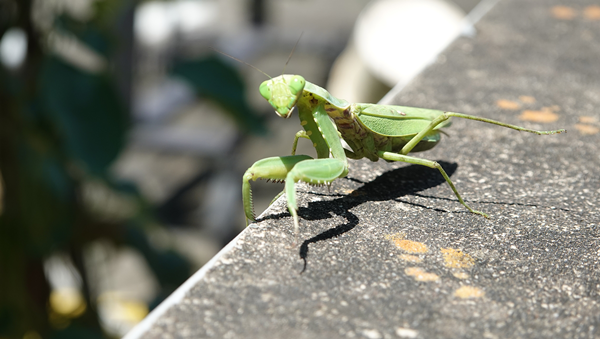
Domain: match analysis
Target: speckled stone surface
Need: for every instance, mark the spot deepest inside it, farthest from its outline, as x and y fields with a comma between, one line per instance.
x=390, y=253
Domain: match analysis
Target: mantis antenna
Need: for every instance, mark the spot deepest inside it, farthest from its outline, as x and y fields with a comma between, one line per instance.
x=292, y=52
x=242, y=61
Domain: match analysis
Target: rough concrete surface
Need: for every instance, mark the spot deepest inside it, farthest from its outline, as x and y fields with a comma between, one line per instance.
x=390, y=253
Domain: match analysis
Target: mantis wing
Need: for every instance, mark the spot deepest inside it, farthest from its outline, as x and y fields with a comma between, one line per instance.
x=397, y=121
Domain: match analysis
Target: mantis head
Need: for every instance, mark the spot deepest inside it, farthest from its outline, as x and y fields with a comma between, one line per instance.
x=283, y=93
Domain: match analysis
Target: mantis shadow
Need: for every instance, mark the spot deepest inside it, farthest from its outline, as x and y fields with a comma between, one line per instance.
x=390, y=185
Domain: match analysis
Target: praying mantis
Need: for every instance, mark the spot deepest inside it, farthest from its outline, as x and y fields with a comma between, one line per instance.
x=371, y=131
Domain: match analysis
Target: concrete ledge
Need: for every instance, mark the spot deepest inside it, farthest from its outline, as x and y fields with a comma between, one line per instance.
x=390, y=253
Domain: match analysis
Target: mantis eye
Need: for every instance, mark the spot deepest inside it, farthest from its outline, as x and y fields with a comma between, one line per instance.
x=265, y=90
x=296, y=84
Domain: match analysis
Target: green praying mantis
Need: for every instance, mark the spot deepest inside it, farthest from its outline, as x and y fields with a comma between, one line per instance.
x=371, y=131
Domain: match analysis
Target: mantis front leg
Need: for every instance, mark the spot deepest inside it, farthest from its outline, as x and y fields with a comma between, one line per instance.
x=292, y=169
x=274, y=168
x=316, y=172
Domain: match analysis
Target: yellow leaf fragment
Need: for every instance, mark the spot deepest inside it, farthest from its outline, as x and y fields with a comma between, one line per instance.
x=67, y=302
x=420, y=275
x=410, y=258
x=461, y=275
x=395, y=236
x=527, y=99
x=539, y=116
x=563, y=12
x=587, y=129
x=411, y=246
x=507, y=104
x=587, y=120
x=456, y=258
x=469, y=292
x=592, y=12
x=407, y=245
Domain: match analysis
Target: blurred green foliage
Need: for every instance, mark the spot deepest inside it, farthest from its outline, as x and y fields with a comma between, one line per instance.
x=61, y=127
x=86, y=111
x=214, y=79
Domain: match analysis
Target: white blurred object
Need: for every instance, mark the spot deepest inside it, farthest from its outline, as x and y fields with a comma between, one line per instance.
x=194, y=15
x=61, y=273
x=13, y=48
x=152, y=25
x=156, y=22
x=393, y=41
x=397, y=38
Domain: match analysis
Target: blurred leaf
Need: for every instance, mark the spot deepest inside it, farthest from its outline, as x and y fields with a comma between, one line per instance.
x=88, y=112
x=52, y=115
x=87, y=32
x=48, y=197
x=214, y=79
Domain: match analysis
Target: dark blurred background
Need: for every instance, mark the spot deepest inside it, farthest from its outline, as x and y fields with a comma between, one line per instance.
x=124, y=136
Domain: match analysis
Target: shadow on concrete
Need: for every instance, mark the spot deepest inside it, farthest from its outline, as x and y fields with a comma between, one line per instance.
x=390, y=185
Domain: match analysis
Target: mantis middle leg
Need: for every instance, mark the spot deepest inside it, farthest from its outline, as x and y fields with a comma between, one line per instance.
x=299, y=134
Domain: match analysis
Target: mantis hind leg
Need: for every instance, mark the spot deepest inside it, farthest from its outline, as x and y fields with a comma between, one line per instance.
x=432, y=164
x=447, y=115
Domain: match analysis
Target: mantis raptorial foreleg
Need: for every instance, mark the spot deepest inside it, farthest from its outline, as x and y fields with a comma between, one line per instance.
x=292, y=169
x=274, y=168
x=317, y=171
